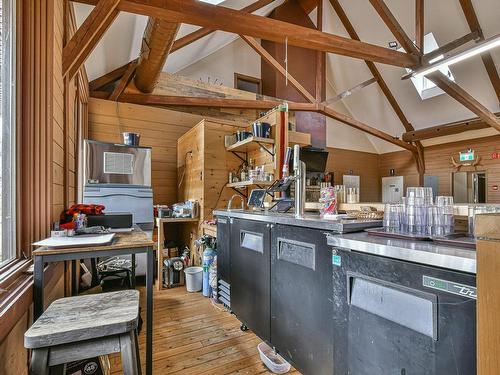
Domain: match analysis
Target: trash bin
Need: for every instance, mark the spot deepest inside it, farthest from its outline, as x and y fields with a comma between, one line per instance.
x=194, y=279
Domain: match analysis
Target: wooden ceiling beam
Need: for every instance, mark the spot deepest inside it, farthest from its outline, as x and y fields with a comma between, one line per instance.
x=193, y=101
x=448, y=47
x=265, y=104
x=268, y=58
x=204, y=31
x=365, y=128
x=419, y=24
x=464, y=98
x=489, y=64
x=110, y=77
x=371, y=66
x=234, y=21
x=83, y=42
x=157, y=41
x=394, y=26
x=446, y=129
x=124, y=81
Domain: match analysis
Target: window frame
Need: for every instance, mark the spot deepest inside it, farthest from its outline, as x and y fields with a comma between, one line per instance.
x=244, y=77
x=9, y=74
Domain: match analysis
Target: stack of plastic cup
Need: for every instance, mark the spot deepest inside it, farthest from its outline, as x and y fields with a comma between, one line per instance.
x=445, y=219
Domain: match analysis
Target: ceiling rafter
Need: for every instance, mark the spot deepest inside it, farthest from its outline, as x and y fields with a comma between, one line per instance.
x=464, y=98
x=124, y=81
x=204, y=31
x=444, y=49
x=268, y=58
x=489, y=64
x=419, y=24
x=234, y=21
x=264, y=104
x=447, y=129
x=394, y=26
x=440, y=80
x=109, y=77
x=83, y=42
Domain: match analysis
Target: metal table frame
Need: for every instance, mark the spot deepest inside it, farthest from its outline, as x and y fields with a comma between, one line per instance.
x=38, y=275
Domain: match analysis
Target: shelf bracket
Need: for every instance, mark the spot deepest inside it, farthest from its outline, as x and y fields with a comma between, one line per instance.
x=265, y=149
x=237, y=154
x=239, y=191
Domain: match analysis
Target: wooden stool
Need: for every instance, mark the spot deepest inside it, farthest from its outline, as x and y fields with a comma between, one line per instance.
x=77, y=328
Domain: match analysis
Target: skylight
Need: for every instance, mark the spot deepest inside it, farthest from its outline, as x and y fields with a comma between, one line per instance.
x=425, y=88
x=214, y=2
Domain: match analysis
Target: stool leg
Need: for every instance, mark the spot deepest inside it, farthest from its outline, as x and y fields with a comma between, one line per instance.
x=137, y=352
x=130, y=361
x=39, y=362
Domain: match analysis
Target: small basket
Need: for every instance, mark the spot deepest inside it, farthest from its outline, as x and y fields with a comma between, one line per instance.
x=274, y=362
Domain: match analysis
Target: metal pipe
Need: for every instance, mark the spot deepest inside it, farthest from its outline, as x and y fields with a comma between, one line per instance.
x=299, y=168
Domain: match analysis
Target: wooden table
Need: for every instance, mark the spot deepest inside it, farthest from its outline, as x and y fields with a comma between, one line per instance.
x=132, y=243
x=160, y=221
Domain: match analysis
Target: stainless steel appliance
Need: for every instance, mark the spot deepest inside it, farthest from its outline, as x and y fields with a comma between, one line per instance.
x=119, y=177
x=110, y=163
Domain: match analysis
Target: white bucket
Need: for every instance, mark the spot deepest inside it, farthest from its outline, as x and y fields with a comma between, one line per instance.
x=194, y=279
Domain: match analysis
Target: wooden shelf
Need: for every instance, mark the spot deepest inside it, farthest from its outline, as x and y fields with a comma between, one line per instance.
x=298, y=138
x=245, y=184
x=250, y=144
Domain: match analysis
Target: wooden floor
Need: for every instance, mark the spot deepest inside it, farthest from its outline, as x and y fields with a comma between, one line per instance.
x=194, y=336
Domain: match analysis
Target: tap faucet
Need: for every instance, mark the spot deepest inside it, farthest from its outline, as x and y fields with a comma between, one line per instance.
x=230, y=203
x=299, y=169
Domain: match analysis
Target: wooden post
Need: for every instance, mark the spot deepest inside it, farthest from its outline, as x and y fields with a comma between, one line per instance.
x=487, y=230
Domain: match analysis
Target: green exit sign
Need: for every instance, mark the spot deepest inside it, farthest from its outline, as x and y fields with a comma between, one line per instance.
x=467, y=156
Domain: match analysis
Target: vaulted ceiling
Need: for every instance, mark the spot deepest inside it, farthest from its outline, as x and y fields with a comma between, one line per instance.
x=444, y=18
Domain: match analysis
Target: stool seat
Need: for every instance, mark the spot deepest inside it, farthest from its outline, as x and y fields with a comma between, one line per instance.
x=88, y=317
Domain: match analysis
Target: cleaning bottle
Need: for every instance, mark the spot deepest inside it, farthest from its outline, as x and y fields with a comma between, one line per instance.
x=208, y=258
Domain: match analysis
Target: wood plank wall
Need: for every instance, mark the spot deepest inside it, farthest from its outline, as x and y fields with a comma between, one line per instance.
x=159, y=128
x=47, y=139
x=438, y=163
x=364, y=164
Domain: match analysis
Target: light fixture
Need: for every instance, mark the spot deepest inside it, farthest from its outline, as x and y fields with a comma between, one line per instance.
x=214, y=2
x=438, y=62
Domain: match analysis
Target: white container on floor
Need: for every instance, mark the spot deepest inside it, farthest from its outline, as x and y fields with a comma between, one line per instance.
x=274, y=362
x=194, y=279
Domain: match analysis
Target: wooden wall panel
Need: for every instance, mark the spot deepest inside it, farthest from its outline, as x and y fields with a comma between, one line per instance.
x=438, y=163
x=364, y=164
x=159, y=128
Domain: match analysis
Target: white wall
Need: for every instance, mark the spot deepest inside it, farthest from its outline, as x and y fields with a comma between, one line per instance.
x=237, y=57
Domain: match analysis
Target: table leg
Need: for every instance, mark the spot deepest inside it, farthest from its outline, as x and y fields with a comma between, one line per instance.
x=161, y=241
x=74, y=278
x=132, y=271
x=149, y=312
x=37, y=287
x=95, y=277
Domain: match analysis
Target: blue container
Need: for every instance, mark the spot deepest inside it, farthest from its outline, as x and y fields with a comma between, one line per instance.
x=208, y=258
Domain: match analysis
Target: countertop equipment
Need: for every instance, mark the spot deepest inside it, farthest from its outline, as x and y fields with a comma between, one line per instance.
x=119, y=178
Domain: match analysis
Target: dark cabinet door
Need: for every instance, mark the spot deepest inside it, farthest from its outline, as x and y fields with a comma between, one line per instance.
x=395, y=317
x=250, y=275
x=223, y=249
x=301, y=298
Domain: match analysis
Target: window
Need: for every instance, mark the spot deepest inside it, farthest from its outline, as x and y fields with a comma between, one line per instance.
x=247, y=83
x=425, y=88
x=7, y=131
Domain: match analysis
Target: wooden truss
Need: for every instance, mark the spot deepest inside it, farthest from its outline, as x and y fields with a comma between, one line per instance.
x=171, y=13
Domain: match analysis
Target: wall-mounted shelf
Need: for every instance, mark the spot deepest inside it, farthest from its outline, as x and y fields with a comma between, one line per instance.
x=244, y=184
x=251, y=144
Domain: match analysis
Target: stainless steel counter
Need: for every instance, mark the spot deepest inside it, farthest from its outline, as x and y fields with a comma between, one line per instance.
x=310, y=220
x=423, y=252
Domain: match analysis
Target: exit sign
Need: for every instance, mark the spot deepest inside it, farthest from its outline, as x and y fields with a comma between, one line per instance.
x=467, y=156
